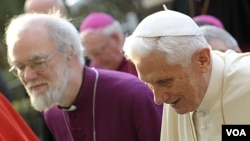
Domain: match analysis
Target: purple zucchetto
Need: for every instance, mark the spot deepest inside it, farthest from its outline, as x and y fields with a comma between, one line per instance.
x=96, y=20
x=209, y=19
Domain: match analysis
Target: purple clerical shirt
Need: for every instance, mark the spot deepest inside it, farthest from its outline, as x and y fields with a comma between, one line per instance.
x=125, y=66
x=122, y=110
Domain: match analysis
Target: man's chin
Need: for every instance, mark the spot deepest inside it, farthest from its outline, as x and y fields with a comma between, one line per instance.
x=41, y=107
x=40, y=101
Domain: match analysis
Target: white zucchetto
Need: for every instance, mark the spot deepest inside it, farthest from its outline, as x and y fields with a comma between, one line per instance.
x=166, y=23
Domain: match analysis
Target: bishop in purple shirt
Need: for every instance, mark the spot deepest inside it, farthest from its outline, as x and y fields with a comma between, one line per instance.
x=78, y=103
x=110, y=106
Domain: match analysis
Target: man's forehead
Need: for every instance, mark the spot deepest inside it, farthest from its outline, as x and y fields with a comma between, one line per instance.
x=28, y=44
x=153, y=57
x=31, y=35
x=151, y=64
x=94, y=34
x=155, y=66
x=94, y=39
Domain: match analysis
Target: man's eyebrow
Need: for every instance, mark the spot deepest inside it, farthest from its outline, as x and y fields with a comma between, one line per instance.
x=37, y=56
x=32, y=58
x=167, y=78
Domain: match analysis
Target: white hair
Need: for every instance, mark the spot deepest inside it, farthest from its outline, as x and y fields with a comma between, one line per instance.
x=114, y=27
x=178, y=49
x=63, y=33
x=212, y=32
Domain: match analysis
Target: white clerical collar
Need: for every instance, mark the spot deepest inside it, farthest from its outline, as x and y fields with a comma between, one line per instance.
x=70, y=108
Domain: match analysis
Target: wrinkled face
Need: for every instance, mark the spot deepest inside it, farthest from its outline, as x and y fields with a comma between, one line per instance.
x=45, y=87
x=183, y=88
x=103, y=50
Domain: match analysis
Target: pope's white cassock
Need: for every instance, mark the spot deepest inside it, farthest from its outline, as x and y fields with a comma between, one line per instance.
x=227, y=101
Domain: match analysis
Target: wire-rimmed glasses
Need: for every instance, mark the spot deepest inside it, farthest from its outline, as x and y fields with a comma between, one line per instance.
x=39, y=64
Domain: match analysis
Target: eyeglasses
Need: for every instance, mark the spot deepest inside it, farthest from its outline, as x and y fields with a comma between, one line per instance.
x=38, y=64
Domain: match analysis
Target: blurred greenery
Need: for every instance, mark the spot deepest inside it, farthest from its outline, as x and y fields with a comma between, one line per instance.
x=8, y=8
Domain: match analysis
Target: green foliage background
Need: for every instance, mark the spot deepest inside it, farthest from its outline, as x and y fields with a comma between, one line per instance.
x=8, y=8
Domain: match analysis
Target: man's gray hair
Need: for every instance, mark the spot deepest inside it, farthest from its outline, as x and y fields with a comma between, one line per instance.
x=212, y=32
x=62, y=32
x=178, y=49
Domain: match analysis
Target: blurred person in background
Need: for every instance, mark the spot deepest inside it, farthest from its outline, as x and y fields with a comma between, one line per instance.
x=45, y=6
x=219, y=39
x=102, y=38
x=236, y=20
x=79, y=103
x=215, y=33
x=208, y=20
x=12, y=126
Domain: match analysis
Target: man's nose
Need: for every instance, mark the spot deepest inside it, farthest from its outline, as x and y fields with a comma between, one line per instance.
x=29, y=73
x=160, y=96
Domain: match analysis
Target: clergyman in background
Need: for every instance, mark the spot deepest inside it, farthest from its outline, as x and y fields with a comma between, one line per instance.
x=102, y=38
x=219, y=39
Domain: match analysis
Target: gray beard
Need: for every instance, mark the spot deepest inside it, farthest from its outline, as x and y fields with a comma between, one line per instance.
x=42, y=102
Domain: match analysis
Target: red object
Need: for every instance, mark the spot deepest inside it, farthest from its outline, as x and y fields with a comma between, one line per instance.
x=12, y=126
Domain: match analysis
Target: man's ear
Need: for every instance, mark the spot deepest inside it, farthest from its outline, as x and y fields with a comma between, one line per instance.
x=117, y=38
x=202, y=58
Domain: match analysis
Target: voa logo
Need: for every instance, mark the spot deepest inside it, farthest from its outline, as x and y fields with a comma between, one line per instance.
x=236, y=132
